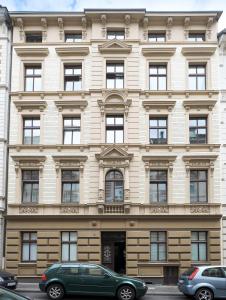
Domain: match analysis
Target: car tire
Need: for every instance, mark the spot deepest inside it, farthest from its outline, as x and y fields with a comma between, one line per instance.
x=126, y=292
x=204, y=293
x=55, y=291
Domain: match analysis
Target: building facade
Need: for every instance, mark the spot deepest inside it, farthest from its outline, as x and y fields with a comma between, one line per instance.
x=114, y=142
x=5, y=58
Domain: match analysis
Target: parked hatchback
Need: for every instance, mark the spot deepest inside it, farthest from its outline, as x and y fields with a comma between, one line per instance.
x=204, y=282
x=8, y=280
x=89, y=279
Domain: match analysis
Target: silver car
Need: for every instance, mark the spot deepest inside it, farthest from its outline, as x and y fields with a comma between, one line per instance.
x=204, y=282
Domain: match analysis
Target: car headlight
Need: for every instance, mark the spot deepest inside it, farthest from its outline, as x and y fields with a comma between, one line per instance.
x=144, y=284
x=1, y=279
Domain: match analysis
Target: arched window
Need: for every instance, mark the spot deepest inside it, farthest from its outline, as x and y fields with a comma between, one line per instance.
x=114, y=186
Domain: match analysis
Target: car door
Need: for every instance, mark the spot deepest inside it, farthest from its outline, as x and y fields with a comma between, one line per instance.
x=70, y=276
x=216, y=277
x=95, y=280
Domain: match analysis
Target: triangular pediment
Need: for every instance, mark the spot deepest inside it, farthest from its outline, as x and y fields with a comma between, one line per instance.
x=114, y=152
x=115, y=46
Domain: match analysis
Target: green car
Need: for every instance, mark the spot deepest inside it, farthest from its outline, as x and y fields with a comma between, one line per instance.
x=89, y=279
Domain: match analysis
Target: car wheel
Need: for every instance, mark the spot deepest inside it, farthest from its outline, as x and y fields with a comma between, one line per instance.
x=126, y=292
x=55, y=291
x=204, y=294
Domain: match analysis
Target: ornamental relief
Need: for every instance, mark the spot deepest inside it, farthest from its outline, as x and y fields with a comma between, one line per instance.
x=69, y=210
x=200, y=209
x=28, y=210
x=159, y=210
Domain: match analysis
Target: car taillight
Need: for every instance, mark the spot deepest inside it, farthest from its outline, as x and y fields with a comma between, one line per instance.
x=44, y=278
x=192, y=276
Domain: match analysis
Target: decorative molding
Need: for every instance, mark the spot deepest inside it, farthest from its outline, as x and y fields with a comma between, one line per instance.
x=169, y=25
x=71, y=104
x=199, y=161
x=115, y=46
x=114, y=155
x=69, y=210
x=44, y=29
x=30, y=105
x=69, y=162
x=159, y=161
x=33, y=52
x=187, y=21
x=127, y=24
x=199, y=209
x=20, y=24
x=199, y=104
x=72, y=51
x=158, y=104
x=84, y=27
x=103, y=20
x=159, y=51
x=208, y=27
x=60, y=22
x=28, y=162
x=159, y=209
x=145, y=27
x=27, y=210
x=198, y=51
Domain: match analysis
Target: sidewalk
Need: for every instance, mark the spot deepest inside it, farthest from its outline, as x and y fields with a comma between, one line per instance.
x=153, y=289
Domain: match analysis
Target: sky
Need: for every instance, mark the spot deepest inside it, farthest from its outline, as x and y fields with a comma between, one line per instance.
x=150, y=5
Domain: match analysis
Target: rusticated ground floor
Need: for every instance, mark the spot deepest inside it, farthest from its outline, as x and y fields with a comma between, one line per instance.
x=156, y=248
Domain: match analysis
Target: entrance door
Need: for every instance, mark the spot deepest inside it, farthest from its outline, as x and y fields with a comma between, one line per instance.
x=114, y=250
x=170, y=275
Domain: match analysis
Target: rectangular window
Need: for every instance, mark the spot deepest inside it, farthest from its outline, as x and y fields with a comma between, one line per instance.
x=33, y=77
x=30, y=186
x=70, y=186
x=116, y=34
x=198, y=130
x=198, y=186
x=158, y=130
x=157, y=36
x=199, y=245
x=72, y=128
x=196, y=37
x=69, y=246
x=33, y=37
x=72, y=77
x=197, y=77
x=29, y=246
x=31, y=131
x=115, y=75
x=158, y=246
x=157, y=77
x=73, y=37
x=114, y=129
x=158, y=186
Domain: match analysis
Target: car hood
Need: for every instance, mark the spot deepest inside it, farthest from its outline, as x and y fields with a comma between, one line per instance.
x=3, y=273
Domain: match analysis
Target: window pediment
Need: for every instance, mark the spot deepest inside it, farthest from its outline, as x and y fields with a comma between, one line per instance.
x=69, y=162
x=38, y=52
x=160, y=51
x=158, y=104
x=115, y=46
x=198, y=51
x=199, y=161
x=72, y=51
x=30, y=105
x=209, y=104
x=64, y=104
x=28, y=162
x=114, y=153
x=159, y=161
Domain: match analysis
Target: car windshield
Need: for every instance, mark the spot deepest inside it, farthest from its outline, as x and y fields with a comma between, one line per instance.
x=7, y=295
x=188, y=272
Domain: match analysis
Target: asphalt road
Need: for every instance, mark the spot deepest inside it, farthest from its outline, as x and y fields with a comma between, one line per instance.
x=41, y=296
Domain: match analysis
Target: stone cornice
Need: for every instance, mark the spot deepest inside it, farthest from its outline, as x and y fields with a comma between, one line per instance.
x=185, y=93
x=20, y=158
x=200, y=157
x=62, y=158
x=72, y=51
x=32, y=104
x=158, y=104
x=159, y=51
x=64, y=104
x=150, y=158
x=37, y=52
x=115, y=46
x=198, y=51
x=43, y=94
x=209, y=104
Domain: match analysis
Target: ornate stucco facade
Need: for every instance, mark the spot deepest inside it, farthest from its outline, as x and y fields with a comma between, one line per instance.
x=5, y=57
x=97, y=223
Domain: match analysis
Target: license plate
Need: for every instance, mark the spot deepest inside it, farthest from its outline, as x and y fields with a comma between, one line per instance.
x=11, y=284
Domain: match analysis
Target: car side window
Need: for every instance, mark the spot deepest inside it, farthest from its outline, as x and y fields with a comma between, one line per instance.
x=224, y=271
x=93, y=271
x=69, y=270
x=213, y=272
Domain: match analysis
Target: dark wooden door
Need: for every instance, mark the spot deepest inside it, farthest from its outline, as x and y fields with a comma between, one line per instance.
x=170, y=275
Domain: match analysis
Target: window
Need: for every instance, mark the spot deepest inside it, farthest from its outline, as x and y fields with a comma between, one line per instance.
x=196, y=37
x=115, y=75
x=114, y=186
x=158, y=130
x=33, y=37
x=158, y=246
x=31, y=131
x=199, y=245
x=158, y=186
x=213, y=272
x=72, y=78
x=116, y=34
x=157, y=36
x=29, y=246
x=33, y=77
x=93, y=271
x=73, y=37
x=30, y=186
x=72, y=130
x=197, y=77
x=67, y=270
x=114, y=129
x=198, y=130
x=70, y=186
x=198, y=186
x=157, y=77
x=69, y=246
